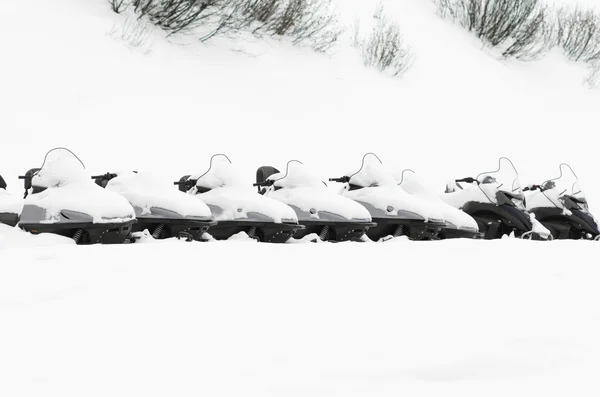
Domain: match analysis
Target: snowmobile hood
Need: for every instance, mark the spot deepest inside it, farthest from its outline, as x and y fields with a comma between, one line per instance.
x=10, y=204
x=395, y=202
x=147, y=193
x=321, y=203
x=453, y=217
x=233, y=203
x=84, y=197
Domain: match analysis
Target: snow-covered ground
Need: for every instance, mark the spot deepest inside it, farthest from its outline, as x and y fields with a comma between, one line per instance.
x=499, y=318
x=237, y=318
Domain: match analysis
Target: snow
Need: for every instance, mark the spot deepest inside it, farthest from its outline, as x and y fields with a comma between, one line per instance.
x=359, y=319
x=302, y=189
x=9, y=203
x=239, y=318
x=146, y=191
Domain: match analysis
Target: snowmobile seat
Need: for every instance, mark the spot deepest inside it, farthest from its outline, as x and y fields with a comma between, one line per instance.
x=2, y=183
x=264, y=172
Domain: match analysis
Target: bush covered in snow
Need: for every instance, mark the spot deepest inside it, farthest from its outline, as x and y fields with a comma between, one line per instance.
x=383, y=47
x=522, y=28
x=579, y=34
x=306, y=22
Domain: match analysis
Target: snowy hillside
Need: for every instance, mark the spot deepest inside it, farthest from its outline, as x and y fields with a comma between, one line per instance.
x=237, y=318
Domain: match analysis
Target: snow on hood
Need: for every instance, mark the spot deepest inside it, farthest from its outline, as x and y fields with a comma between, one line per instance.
x=9, y=203
x=69, y=187
x=146, y=191
x=384, y=197
x=86, y=197
x=301, y=188
x=321, y=199
x=455, y=217
x=233, y=203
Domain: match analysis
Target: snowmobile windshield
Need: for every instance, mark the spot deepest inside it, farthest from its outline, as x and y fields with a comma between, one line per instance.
x=372, y=173
x=565, y=185
x=60, y=167
x=221, y=173
x=297, y=175
x=504, y=179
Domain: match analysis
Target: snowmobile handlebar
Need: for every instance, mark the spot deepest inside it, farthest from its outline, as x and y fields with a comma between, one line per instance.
x=24, y=176
x=344, y=179
x=108, y=175
x=533, y=187
x=268, y=182
x=467, y=180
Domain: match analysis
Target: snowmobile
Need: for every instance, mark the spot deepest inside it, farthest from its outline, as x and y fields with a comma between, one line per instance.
x=60, y=198
x=319, y=209
x=162, y=211
x=395, y=212
x=560, y=205
x=495, y=200
x=458, y=224
x=10, y=206
x=236, y=207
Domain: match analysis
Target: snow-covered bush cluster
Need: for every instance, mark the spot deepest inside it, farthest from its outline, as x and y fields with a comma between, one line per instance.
x=383, y=47
x=528, y=29
x=521, y=28
x=304, y=22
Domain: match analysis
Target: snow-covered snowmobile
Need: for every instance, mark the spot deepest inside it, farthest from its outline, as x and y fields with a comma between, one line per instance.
x=160, y=209
x=60, y=198
x=10, y=206
x=495, y=200
x=458, y=224
x=395, y=212
x=237, y=207
x=561, y=206
x=319, y=209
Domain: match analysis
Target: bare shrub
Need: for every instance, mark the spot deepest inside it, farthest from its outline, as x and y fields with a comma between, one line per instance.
x=383, y=47
x=306, y=22
x=521, y=27
x=118, y=6
x=134, y=33
x=579, y=34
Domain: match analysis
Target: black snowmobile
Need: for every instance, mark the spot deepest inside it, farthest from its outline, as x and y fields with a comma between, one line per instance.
x=10, y=206
x=395, y=211
x=162, y=211
x=495, y=200
x=319, y=209
x=61, y=199
x=560, y=205
x=236, y=208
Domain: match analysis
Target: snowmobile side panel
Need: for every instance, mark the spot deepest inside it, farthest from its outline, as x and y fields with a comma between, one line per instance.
x=333, y=230
x=503, y=219
x=94, y=233
x=391, y=213
x=563, y=226
x=8, y=218
x=449, y=233
x=173, y=227
x=414, y=229
x=267, y=232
